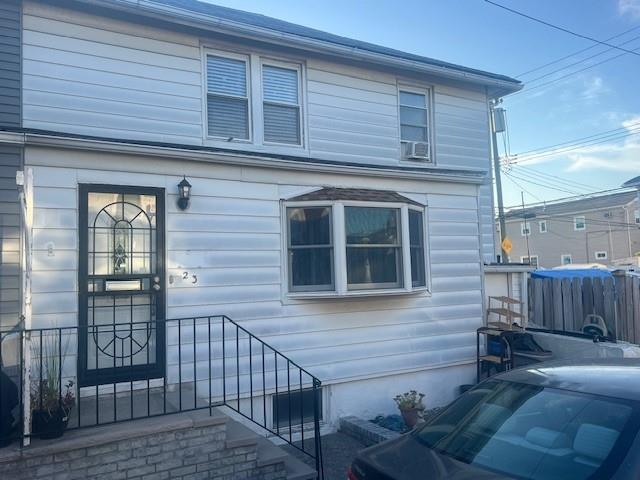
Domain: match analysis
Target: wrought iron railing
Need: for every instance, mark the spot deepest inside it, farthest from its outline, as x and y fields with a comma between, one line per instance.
x=208, y=362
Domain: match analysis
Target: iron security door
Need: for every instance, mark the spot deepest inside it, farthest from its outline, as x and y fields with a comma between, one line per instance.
x=121, y=283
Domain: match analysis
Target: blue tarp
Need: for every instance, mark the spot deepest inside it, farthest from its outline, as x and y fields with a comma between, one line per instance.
x=581, y=273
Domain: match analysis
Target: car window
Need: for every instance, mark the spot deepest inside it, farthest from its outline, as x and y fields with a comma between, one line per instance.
x=532, y=432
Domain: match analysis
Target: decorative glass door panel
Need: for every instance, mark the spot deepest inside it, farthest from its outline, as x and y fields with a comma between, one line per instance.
x=121, y=284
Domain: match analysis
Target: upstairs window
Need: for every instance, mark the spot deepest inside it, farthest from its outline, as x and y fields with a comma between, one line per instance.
x=228, y=114
x=281, y=107
x=414, y=114
x=566, y=259
x=525, y=229
x=579, y=223
x=542, y=226
x=636, y=215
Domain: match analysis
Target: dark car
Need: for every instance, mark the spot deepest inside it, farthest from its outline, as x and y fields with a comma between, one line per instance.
x=553, y=421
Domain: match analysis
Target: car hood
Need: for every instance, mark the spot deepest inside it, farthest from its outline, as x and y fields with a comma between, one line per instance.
x=407, y=459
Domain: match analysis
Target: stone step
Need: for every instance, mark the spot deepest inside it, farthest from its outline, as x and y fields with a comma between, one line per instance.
x=267, y=453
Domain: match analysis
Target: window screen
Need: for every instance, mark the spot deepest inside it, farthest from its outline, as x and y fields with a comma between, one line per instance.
x=281, y=109
x=227, y=98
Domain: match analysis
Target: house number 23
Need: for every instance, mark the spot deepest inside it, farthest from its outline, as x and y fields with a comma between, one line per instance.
x=194, y=278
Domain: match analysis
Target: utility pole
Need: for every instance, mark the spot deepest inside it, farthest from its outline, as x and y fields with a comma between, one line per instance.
x=497, y=125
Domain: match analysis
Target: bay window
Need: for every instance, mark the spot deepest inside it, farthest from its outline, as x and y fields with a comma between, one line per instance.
x=337, y=248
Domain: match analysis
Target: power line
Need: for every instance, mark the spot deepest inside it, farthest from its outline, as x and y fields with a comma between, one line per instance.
x=563, y=190
x=581, y=139
x=550, y=82
x=548, y=74
x=557, y=178
x=521, y=187
x=562, y=29
x=576, y=147
x=572, y=198
x=574, y=54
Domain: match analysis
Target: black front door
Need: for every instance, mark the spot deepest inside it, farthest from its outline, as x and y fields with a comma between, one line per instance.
x=121, y=283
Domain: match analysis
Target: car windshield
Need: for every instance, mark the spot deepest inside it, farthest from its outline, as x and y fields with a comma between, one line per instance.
x=532, y=432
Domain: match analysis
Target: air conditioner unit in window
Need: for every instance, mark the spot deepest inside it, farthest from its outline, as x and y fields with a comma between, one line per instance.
x=418, y=151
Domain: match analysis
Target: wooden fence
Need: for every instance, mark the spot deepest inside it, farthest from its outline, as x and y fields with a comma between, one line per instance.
x=563, y=304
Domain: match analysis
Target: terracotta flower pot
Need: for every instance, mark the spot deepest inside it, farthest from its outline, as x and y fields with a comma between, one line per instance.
x=411, y=416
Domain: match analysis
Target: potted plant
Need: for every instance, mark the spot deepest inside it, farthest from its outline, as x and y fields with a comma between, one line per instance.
x=50, y=403
x=410, y=406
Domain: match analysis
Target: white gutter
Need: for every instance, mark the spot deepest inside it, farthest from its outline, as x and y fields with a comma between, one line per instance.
x=208, y=22
x=468, y=176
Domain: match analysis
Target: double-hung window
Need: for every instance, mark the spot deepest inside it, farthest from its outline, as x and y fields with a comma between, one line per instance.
x=228, y=112
x=414, y=116
x=281, y=104
x=310, y=248
x=344, y=247
x=579, y=223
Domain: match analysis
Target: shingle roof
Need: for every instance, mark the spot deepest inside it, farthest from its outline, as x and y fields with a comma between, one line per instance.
x=355, y=194
x=584, y=204
x=277, y=25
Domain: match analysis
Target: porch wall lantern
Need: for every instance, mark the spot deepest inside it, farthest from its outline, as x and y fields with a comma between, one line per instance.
x=184, y=194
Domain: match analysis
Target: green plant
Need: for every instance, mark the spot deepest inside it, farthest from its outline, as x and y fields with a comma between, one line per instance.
x=409, y=400
x=47, y=392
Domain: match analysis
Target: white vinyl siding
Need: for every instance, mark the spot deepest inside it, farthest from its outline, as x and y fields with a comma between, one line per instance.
x=227, y=98
x=281, y=107
x=230, y=237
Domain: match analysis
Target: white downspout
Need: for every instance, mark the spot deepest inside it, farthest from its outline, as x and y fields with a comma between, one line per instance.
x=24, y=181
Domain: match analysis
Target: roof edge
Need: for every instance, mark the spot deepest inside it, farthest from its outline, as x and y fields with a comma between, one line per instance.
x=498, y=87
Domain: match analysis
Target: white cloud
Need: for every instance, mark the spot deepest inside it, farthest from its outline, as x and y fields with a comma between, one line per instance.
x=629, y=7
x=620, y=154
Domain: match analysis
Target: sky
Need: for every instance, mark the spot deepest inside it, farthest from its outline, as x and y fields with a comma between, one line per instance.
x=551, y=110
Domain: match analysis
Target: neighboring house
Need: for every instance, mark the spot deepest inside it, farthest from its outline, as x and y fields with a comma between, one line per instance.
x=603, y=229
x=340, y=206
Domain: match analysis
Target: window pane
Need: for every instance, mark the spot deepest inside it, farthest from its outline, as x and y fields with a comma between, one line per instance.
x=281, y=124
x=413, y=99
x=414, y=134
x=228, y=117
x=371, y=226
x=416, y=240
x=309, y=226
x=413, y=116
x=226, y=76
x=280, y=84
x=311, y=267
x=373, y=266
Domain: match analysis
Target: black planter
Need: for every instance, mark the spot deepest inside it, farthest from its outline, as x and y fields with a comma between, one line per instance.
x=45, y=424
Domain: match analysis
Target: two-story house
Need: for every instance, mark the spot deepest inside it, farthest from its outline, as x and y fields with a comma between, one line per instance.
x=603, y=229
x=180, y=159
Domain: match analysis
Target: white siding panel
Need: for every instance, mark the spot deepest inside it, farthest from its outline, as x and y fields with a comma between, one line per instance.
x=92, y=81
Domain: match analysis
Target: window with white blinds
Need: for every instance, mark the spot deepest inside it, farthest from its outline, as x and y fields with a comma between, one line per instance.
x=281, y=107
x=227, y=98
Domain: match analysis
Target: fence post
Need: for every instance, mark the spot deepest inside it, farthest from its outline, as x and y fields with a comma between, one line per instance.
x=609, y=299
x=578, y=314
x=623, y=326
x=558, y=322
x=567, y=306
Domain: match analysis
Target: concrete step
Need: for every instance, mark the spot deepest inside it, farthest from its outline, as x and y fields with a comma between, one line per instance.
x=267, y=453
